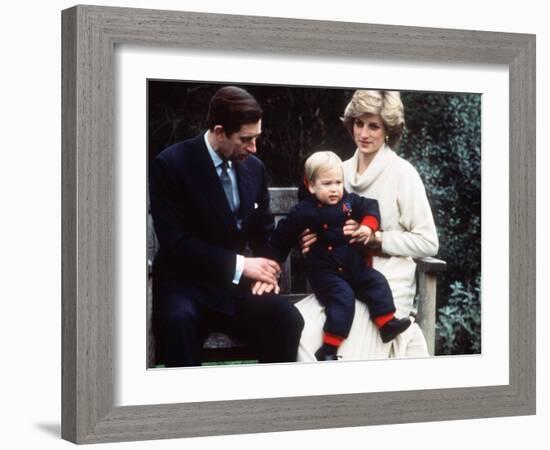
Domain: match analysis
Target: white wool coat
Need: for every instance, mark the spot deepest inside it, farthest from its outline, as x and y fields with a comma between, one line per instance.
x=408, y=231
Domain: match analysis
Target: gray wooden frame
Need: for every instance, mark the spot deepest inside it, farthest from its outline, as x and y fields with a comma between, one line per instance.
x=89, y=37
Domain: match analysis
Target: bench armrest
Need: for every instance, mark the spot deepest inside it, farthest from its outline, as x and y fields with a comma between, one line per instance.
x=428, y=268
x=427, y=264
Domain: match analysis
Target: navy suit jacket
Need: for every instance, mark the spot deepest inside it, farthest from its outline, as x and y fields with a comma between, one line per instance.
x=197, y=233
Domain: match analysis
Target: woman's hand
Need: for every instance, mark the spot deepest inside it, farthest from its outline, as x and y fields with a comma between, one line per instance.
x=362, y=235
x=307, y=239
x=376, y=240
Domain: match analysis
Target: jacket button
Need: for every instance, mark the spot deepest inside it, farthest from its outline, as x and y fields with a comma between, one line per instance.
x=325, y=226
x=340, y=269
x=329, y=248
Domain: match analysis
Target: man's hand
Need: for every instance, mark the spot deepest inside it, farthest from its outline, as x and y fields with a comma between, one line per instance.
x=260, y=287
x=362, y=235
x=307, y=239
x=261, y=269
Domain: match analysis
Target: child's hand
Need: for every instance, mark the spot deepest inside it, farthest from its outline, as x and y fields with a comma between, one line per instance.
x=362, y=235
x=350, y=227
x=261, y=287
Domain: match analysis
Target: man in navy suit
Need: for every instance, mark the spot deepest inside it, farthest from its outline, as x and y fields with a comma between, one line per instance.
x=209, y=200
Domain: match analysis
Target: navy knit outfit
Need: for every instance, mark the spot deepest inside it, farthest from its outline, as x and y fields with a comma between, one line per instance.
x=336, y=270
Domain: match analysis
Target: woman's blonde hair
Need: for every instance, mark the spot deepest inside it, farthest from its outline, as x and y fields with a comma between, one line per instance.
x=387, y=104
x=319, y=162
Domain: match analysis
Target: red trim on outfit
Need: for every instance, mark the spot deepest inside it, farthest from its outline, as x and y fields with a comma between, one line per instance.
x=332, y=339
x=380, y=321
x=371, y=222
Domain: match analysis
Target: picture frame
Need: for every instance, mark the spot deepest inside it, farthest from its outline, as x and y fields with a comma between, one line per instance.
x=90, y=34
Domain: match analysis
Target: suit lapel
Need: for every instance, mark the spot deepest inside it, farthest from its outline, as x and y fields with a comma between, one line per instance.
x=245, y=190
x=206, y=176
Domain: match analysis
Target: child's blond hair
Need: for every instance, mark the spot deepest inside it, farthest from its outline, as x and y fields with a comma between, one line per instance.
x=319, y=162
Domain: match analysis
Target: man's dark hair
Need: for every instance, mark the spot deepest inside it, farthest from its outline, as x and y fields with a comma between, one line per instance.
x=232, y=107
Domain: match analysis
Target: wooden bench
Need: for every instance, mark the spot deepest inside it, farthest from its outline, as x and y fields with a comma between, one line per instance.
x=220, y=347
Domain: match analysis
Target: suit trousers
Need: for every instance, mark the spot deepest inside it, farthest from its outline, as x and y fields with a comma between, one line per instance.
x=181, y=322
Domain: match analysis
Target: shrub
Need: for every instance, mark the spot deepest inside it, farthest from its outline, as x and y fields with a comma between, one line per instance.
x=459, y=322
x=443, y=141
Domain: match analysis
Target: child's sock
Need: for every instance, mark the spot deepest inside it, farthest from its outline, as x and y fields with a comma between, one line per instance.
x=380, y=321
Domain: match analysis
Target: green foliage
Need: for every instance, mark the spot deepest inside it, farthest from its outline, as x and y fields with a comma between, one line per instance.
x=443, y=141
x=459, y=322
x=229, y=363
x=295, y=122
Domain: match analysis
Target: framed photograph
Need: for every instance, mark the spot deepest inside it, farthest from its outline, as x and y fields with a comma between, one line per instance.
x=97, y=371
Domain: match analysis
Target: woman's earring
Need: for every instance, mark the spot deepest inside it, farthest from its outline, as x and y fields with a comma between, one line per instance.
x=387, y=138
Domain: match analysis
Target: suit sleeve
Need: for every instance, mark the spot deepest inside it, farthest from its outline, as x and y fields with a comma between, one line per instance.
x=168, y=212
x=287, y=233
x=365, y=211
x=263, y=223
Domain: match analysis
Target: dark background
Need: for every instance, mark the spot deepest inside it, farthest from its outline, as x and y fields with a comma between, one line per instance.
x=442, y=140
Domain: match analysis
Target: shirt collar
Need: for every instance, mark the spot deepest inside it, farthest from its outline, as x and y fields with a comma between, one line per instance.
x=216, y=159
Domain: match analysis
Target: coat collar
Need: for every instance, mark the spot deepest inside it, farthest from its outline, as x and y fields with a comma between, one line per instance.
x=206, y=176
x=244, y=180
x=360, y=183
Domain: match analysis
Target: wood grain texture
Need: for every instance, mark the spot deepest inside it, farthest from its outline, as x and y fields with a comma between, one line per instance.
x=522, y=283
x=68, y=225
x=430, y=265
x=89, y=38
x=427, y=293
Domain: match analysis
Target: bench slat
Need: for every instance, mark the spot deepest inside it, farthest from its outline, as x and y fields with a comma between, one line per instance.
x=282, y=199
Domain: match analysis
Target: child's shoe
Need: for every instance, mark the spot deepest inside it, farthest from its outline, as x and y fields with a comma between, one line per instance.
x=326, y=352
x=393, y=328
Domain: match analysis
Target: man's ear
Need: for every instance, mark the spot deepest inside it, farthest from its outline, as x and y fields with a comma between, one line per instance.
x=219, y=133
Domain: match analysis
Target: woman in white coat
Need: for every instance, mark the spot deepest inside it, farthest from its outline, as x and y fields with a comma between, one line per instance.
x=375, y=120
